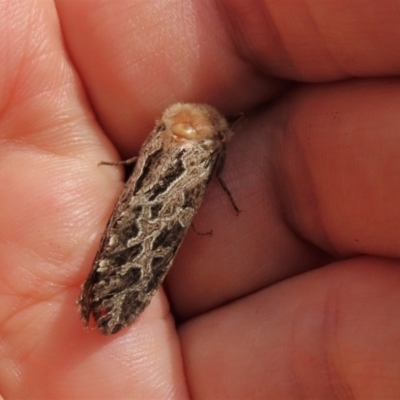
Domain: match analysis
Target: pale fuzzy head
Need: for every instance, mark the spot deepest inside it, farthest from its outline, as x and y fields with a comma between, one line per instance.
x=195, y=121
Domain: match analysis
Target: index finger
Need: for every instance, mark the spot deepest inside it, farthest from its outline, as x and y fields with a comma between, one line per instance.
x=136, y=58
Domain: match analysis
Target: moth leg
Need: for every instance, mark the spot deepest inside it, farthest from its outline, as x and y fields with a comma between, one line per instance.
x=235, y=120
x=220, y=167
x=129, y=161
x=209, y=233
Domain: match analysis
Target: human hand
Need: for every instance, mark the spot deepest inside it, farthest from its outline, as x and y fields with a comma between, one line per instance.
x=297, y=296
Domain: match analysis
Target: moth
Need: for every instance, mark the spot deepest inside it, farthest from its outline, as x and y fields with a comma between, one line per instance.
x=153, y=213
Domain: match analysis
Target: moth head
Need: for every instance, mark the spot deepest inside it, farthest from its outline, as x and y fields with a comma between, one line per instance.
x=195, y=122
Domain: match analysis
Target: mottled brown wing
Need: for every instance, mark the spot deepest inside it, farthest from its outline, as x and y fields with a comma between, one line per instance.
x=148, y=224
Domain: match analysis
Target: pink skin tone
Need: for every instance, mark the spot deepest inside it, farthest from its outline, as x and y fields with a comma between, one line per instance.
x=298, y=296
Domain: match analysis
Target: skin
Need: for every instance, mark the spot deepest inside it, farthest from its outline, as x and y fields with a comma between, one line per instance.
x=298, y=296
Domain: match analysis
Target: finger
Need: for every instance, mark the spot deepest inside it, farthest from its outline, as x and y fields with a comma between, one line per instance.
x=138, y=58
x=316, y=177
x=338, y=163
x=317, y=41
x=311, y=336
x=246, y=252
x=53, y=210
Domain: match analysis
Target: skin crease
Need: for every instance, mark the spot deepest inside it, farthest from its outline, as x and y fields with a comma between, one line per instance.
x=297, y=297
